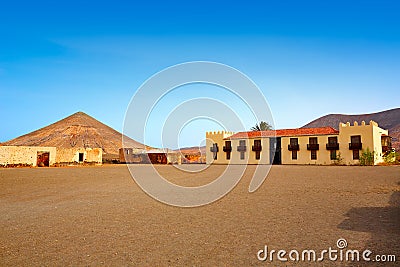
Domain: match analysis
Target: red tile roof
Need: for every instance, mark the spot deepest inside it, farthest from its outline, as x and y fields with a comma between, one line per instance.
x=285, y=132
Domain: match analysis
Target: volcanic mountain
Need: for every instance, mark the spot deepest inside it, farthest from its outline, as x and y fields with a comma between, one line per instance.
x=388, y=119
x=77, y=130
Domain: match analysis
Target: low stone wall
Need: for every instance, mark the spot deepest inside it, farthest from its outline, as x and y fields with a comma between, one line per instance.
x=28, y=155
x=71, y=155
x=24, y=155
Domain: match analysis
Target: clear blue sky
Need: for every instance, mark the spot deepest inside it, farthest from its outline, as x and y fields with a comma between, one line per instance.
x=310, y=58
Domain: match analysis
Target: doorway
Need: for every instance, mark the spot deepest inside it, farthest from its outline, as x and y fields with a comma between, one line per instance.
x=43, y=159
x=275, y=150
x=81, y=157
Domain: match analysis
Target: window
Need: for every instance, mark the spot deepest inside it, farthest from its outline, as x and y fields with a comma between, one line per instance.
x=228, y=149
x=214, y=149
x=313, y=143
x=356, y=139
x=332, y=143
x=356, y=154
x=313, y=140
x=313, y=154
x=294, y=154
x=293, y=144
x=332, y=140
x=257, y=148
x=355, y=145
x=333, y=154
x=242, y=148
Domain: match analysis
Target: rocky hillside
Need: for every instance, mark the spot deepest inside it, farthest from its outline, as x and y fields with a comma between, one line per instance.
x=389, y=119
x=77, y=130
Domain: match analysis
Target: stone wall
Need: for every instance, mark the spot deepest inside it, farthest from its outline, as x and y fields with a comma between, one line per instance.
x=27, y=155
x=71, y=155
x=24, y=155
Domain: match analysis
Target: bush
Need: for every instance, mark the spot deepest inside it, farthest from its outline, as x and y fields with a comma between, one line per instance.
x=338, y=160
x=367, y=158
x=392, y=157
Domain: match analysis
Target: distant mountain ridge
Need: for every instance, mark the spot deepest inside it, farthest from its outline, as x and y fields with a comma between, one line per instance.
x=388, y=119
x=82, y=130
x=77, y=130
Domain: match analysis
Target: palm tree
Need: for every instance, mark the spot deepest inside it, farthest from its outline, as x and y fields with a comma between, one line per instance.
x=263, y=126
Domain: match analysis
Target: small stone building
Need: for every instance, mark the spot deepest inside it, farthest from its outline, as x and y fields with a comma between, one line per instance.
x=131, y=155
x=154, y=156
x=88, y=155
x=48, y=156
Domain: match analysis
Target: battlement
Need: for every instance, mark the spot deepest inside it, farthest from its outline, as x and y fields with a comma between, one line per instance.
x=347, y=124
x=222, y=134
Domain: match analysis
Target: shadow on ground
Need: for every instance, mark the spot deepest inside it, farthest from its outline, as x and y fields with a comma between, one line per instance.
x=382, y=222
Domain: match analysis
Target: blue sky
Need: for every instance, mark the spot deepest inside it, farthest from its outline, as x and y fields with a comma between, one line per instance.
x=309, y=58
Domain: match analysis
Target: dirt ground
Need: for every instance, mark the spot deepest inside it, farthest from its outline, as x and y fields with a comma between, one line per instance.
x=98, y=216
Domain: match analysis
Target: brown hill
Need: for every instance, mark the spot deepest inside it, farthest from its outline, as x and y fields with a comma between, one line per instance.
x=389, y=119
x=77, y=130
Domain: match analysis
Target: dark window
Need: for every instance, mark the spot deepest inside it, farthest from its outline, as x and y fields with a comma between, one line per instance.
x=356, y=139
x=294, y=144
x=332, y=143
x=355, y=142
x=333, y=154
x=313, y=140
x=228, y=144
x=332, y=140
x=228, y=149
x=314, y=154
x=80, y=157
x=257, y=148
x=356, y=154
x=313, y=143
x=294, y=154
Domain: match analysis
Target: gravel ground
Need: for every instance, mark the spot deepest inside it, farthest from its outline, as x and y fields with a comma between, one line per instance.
x=98, y=216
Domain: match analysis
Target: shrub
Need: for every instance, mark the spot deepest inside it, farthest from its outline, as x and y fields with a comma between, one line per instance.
x=392, y=157
x=338, y=160
x=367, y=157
